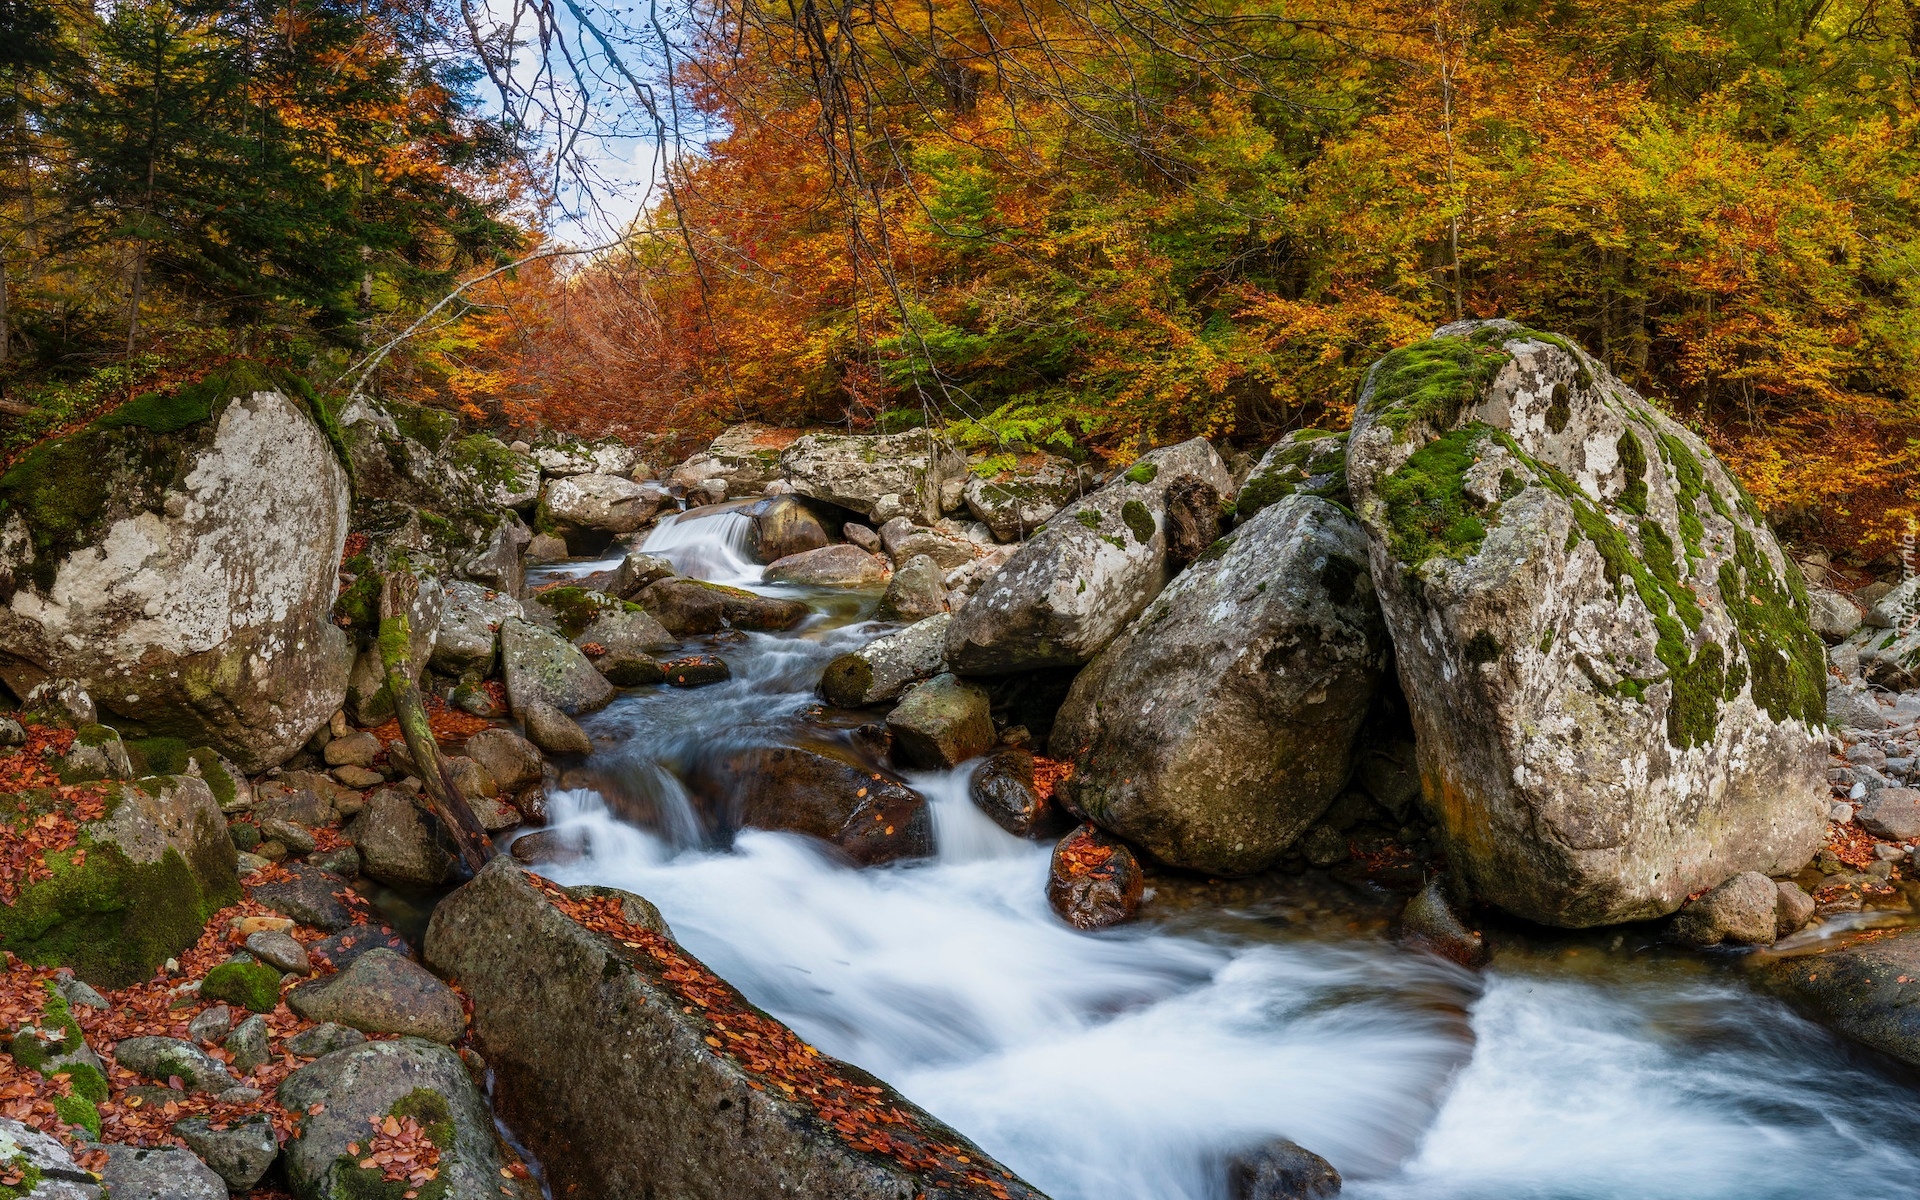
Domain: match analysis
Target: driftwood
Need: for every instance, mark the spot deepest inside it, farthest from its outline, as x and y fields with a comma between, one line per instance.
x=398, y=591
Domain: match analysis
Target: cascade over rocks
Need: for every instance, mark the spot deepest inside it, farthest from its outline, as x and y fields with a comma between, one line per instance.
x=1220, y=724
x=1071, y=589
x=176, y=560
x=782, y=526
x=624, y=1087
x=1618, y=698
x=855, y=471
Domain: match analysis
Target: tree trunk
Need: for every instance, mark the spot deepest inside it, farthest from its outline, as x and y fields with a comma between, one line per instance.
x=397, y=593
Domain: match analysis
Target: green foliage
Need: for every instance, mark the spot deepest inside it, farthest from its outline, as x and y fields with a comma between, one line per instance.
x=255, y=986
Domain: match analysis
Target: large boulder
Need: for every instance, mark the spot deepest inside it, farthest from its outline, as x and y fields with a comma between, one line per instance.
x=842, y=566
x=615, y=1049
x=177, y=560
x=383, y=992
x=1618, y=699
x=780, y=526
x=1260, y=661
x=1019, y=498
x=565, y=457
x=469, y=629
x=1866, y=987
x=886, y=667
x=1310, y=462
x=341, y=1101
x=608, y=503
x=149, y=864
x=745, y=459
x=854, y=471
x=396, y=843
x=541, y=667
x=1071, y=589
x=418, y=457
x=691, y=606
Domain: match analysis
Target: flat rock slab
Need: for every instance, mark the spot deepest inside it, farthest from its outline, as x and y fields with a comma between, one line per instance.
x=681, y=1102
x=383, y=992
x=1867, y=988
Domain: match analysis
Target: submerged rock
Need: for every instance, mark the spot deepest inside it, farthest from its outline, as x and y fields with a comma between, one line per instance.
x=1094, y=881
x=1071, y=589
x=177, y=560
x=1259, y=663
x=683, y=1102
x=1618, y=699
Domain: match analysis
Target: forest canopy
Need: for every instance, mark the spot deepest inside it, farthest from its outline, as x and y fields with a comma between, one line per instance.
x=1086, y=226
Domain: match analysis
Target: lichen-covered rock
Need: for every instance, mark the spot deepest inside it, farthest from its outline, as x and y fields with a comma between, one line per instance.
x=1075, y=585
x=1833, y=615
x=335, y=1098
x=1015, y=501
x=886, y=667
x=163, y=1058
x=617, y=627
x=177, y=559
x=819, y=791
x=240, y=1153
x=917, y=591
x=1606, y=655
x=383, y=992
x=543, y=668
x=135, y=889
x=603, y=502
x=47, y=1171
x=509, y=760
x=556, y=1003
x=607, y=456
x=744, y=459
x=854, y=471
x=469, y=630
x=780, y=526
x=906, y=541
x=841, y=566
x=417, y=456
x=1260, y=662
x=1310, y=462
x=158, y=1173
x=396, y=843
x=942, y=723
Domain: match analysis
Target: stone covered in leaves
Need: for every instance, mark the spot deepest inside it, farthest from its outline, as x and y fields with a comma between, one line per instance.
x=598, y=1021
x=1260, y=661
x=1618, y=698
x=1095, y=880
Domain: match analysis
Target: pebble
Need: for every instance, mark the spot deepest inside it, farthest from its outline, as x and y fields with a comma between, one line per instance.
x=1841, y=811
x=210, y=1026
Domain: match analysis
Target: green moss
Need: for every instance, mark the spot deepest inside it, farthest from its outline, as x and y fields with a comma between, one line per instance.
x=575, y=608
x=847, y=680
x=1217, y=550
x=1483, y=647
x=158, y=756
x=1633, y=462
x=1560, y=411
x=213, y=770
x=31, y=1178
x=1090, y=517
x=1137, y=519
x=56, y=1035
x=256, y=986
x=1546, y=641
x=1114, y=540
x=244, y=836
x=489, y=460
x=429, y=1109
x=358, y=605
x=431, y=427
x=1428, y=513
x=1144, y=472
x=95, y=735
x=1433, y=381
x=1786, y=659
x=1291, y=468
x=78, y=1110
x=86, y=1081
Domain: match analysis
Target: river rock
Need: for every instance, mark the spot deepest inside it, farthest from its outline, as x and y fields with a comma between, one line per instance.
x=1281, y=1170
x=1892, y=812
x=554, y=731
x=396, y=843
x=543, y=668
x=550, y=847
x=500, y=562
x=158, y=1173
x=509, y=760
x=469, y=630
x=916, y=591
x=1795, y=909
x=161, y=1058
x=279, y=951
x=822, y=792
x=745, y=459
x=1833, y=615
x=841, y=566
x=383, y=992
x=176, y=560
x=1618, y=699
x=60, y=1177
x=854, y=471
x=1017, y=500
x=1866, y=988
x=696, y=670
x=158, y=865
x=567, y=1003
x=1261, y=662
x=563, y=457
x=308, y=895
x=239, y=1154
x=1071, y=589
x=1889, y=658
x=247, y=1046
x=906, y=541
x=1095, y=880
x=942, y=723
x=782, y=526
x=339, y=1095
x=1743, y=909
x=1429, y=923
x=545, y=548
x=688, y=607
x=886, y=667
x=1002, y=786
x=603, y=502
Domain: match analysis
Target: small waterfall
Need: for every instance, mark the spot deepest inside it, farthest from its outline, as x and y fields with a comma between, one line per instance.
x=707, y=543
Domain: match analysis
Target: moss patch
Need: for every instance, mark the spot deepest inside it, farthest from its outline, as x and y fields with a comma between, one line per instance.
x=158, y=756
x=78, y=1110
x=256, y=986
x=1428, y=513
x=1787, y=660
x=1090, y=517
x=1145, y=472
x=1138, y=520
x=1308, y=464
x=1633, y=463
x=30, y=1179
x=1435, y=380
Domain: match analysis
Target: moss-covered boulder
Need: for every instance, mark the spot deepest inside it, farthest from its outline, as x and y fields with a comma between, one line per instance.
x=1075, y=585
x=177, y=557
x=1618, y=698
x=541, y=667
x=1015, y=498
x=1310, y=462
x=1261, y=661
x=135, y=887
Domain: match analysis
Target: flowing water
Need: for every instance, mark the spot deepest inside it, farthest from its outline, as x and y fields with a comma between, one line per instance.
x=1129, y=1065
